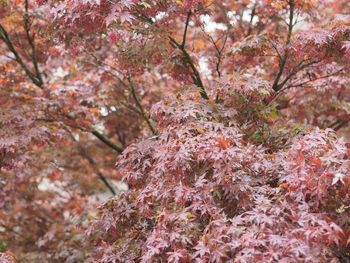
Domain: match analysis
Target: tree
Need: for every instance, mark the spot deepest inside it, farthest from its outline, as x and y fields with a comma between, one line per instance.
x=226, y=120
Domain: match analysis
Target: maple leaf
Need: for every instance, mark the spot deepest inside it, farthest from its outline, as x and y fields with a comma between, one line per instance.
x=223, y=142
x=226, y=132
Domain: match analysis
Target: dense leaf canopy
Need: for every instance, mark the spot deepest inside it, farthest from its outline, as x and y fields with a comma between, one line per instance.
x=228, y=121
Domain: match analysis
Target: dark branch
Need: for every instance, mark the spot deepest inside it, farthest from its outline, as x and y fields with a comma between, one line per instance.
x=139, y=105
x=342, y=124
x=334, y=124
x=130, y=86
x=303, y=83
x=94, y=166
x=294, y=72
x=252, y=14
x=107, y=141
x=219, y=51
x=196, y=76
x=31, y=43
x=11, y=230
x=276, y=49
x=98, y=172
x=185, y=31
x=197, y=80
x=5, y=37
x=283, y=62
x=98, y=135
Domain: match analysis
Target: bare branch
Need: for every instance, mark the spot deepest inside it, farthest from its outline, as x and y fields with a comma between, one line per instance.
x=94, y=166
x=11, y=230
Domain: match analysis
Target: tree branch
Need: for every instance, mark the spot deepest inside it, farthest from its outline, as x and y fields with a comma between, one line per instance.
x=5, y=37
x=294, y=72
x=275, y=48
x=96, y=133
x=31, y=43
x=139, y=105
x=107, y=141
x=303, y=83
x=131, y=88
x=342, y=124
x=185, y=31
x=334, y=124
x=218, y=50
x=197, y=79
x=11, y=230
x=252, y=14
x=94, y=166
x=98, y=172
x=275, y=85
x=226, y=18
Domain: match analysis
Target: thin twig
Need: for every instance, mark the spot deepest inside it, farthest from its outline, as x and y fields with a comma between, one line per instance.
x=294, y=72
x=276, y=49
x=131, y=88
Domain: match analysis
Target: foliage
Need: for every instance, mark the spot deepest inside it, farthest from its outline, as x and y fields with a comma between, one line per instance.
x=228, y=120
